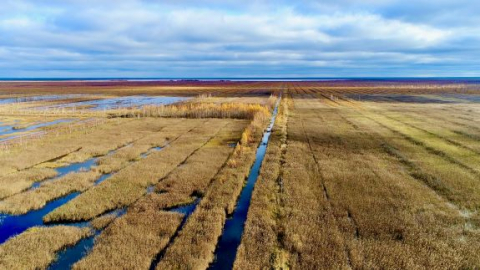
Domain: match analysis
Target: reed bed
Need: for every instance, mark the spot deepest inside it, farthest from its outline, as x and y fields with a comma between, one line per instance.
x=133, y=152
x=411, y=223
x=37, y=198
x=449, y=180
x=196, y=110
x=345, y=184
x=145, y=226
x=14, y=183
x=128, y=185
x=189, y=181
x=37, y=247
x=80, y=143
x=103, y=221
x=36, y=163
x=49, y=132
x=308, y=228
x=135, y=239
x=464, y=156
x=319, y=196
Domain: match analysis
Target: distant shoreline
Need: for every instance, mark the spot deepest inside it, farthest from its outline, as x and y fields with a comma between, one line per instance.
x=459, y=79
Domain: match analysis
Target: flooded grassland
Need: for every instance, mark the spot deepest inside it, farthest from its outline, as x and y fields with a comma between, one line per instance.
x=240, y=175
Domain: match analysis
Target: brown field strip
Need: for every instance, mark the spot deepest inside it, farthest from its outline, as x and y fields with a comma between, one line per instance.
x=17, y=182
x=448, y=179
x=37, y=198
x=94, y=144
x=357, y=173
x=351, y=193
x=78, y=182
x=190, y=178
x=309, y=222
x=452, y=133
x=132, y=241
x=78, y=146
x=126, y=186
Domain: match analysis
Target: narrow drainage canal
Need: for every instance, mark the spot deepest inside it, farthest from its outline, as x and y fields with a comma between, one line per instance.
x=226, y=249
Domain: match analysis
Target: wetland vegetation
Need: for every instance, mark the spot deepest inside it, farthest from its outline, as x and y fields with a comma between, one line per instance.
x=240, y=175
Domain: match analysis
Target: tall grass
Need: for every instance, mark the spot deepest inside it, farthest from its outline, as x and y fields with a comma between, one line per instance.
x=37, y=247
x=196, y=110
x=135, y=239
x=129, y=184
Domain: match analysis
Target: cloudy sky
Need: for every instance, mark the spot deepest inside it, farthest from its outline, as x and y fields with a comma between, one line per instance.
x=223, y=38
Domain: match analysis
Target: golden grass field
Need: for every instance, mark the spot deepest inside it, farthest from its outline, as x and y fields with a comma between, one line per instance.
x=356, y=175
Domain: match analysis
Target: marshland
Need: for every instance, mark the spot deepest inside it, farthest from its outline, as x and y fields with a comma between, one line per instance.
x=340, y=174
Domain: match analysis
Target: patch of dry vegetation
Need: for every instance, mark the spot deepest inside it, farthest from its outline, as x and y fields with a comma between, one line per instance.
x=191, y=179
x=132, y=241
x=128, y=185
x=103, y=221
x=143, y=132
x=145, y=225
x=307, y=229
x=449, y=180
x=134, y=151
x=409, y=227
x=77, y=146
x=37, y=247
x=197, y=110
x=14, y=183
x=37, y=198
x=79, y=182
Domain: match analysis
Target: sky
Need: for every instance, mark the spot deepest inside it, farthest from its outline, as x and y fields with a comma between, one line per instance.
x=224, y=38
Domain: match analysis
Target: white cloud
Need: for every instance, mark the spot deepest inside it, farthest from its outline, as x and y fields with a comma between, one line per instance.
x=162, y=35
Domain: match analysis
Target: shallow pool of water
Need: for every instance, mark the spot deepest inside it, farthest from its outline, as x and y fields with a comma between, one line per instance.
x=71, y=168
x=69, y=256
x=123, y=102
x=11, y=225
x=10, y=130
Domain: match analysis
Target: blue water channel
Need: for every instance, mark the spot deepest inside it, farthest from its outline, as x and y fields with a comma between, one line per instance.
x=71, y=168
x=11, y=225
x=226, y=249
x=69, y=256
x=187, y=210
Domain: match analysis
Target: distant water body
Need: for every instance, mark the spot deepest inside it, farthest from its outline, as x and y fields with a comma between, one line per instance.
x=456, y=79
